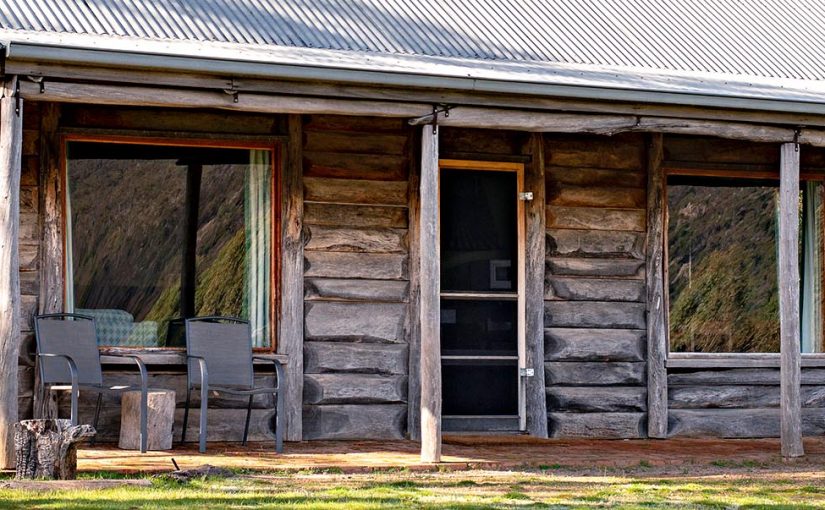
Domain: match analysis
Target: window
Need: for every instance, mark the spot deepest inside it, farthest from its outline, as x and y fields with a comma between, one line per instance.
x=159, y=233
x=722, y=267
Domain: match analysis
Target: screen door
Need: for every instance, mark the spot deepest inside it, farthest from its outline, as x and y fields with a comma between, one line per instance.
x=482, y=305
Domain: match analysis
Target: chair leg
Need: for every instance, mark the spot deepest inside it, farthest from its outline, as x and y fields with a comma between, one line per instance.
x=74, y=417
x=202, y=428
x=97, y=417
x=144, y=421
x=279, y=425
x=185, y=415
x=248, y=416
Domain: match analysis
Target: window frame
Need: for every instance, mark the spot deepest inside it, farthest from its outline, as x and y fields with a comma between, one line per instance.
x=722, y=359
x=273, y=144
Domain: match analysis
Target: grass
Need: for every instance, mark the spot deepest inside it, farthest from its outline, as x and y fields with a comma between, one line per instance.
x=751, y=487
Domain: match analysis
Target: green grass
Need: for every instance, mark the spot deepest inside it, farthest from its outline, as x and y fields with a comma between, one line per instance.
x=721, y=488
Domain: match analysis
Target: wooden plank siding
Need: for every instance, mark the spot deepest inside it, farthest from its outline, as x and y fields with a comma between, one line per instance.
x=595, y=325
x=356, y=277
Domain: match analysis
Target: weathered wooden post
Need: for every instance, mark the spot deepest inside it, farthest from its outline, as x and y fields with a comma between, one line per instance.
x=789, y=325
x=430, y=274
x=11, y=141
x=656, y=312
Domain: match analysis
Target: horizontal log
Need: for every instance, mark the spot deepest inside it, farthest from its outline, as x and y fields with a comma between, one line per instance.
x=583, y=176
x=359, y=240
x=737, y=376
x=383, y=266
x=589, y=373
x=568, y=266
x=736, y=360
x=62, y=92
x=597, y=425
x=594, y=314
x=596, y=219
x=29, y=283
x=28, y=257
x=354, y=389
x=593, y=289
x=589, y=399
x=576, y=344
x=355, y=321
x=353, y=191
x=28, y=309
x=354, y=215
x=738, y=397
x=350, y=165
x=591, y=196
x=355, y=290
x=623, y=152
x=355, y=421
x=325, y=357
x=318, y=139
x=738, y=423
x=29, y=229
x=594, y=243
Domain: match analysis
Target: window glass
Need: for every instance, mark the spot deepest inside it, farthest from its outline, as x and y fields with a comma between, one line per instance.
x=156, y=234
x=722, y=268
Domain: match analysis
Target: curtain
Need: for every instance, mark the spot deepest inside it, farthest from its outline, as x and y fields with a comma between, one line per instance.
x=68, y=261
x=258, y=237
x=811, y=338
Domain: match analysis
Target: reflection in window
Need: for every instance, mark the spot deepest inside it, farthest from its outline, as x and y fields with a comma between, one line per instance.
x=722, y=268
x=160, y=233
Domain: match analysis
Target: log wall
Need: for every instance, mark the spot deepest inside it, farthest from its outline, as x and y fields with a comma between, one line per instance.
x=595, y=286
x=29, y=254
x=356, y=277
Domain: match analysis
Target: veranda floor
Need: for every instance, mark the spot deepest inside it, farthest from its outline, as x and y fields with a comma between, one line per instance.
x=460, y=452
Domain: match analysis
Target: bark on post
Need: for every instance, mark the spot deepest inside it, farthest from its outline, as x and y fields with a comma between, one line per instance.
x=48, y=448
x=656, y=320
x=430, y=288
x=11, y=139
x=790, y=370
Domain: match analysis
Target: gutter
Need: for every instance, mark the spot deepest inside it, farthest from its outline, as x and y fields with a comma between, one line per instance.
x=327, y=73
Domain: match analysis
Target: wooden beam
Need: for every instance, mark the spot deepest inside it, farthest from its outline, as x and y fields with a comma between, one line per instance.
x=414, y=327
x=247, y=102
x=789, y=325
x=11, y=143
x=534, y=182
x=656, y=320
x=430, y=287
x=52, y=260
x=291, y=320
x=189, y=273
x=54, y=71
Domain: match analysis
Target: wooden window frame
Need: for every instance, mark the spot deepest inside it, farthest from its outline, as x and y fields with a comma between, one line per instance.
x=174, y=355
x=723, y=359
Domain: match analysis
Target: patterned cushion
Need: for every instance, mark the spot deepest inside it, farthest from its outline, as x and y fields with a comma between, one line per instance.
x=118, y=328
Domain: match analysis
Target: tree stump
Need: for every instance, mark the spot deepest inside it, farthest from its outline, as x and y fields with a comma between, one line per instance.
x=160, y=419
x=48, y=448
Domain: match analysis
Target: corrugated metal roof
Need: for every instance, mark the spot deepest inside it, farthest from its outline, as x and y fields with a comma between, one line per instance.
x=758, y=38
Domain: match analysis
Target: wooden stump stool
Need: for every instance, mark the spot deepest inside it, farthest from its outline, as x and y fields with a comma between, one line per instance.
x=48, y=448
x=161, y=418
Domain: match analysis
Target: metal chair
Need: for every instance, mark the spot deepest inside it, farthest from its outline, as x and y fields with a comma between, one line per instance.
x=219, y=358
x=68, y=354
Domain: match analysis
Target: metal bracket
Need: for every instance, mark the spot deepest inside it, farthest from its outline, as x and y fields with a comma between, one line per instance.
x=17, y=97
x=40, y=81
x=526, y=196
x=526, y=372
x=232, y=92
x=797, y=132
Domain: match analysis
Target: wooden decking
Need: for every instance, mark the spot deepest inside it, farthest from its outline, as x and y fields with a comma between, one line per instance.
x=464, y=452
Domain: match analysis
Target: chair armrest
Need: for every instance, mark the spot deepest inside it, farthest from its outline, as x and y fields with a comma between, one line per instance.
x=202, y=364
x=279, y=368
x=144, y=375
x=69, y=360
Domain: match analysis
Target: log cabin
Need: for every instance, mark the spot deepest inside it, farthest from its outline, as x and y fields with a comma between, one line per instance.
x=562, y=219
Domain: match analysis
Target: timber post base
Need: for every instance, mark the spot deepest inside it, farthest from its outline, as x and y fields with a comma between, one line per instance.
x=161, y=418
x=48, y=448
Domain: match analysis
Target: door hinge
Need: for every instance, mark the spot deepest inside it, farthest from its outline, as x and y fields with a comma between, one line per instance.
x=526, y=196
x=526, y=372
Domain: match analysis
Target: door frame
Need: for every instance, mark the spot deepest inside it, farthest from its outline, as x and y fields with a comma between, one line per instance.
x=521, y=262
